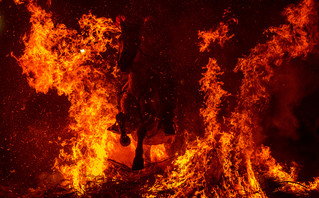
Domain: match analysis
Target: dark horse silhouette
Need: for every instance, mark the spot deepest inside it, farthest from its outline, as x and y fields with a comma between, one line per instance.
x=145, y=100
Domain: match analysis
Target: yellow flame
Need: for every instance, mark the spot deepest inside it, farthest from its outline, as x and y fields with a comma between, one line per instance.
x=158, y=153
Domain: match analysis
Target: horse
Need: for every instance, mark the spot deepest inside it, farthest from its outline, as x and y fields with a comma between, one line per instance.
x=144, y=106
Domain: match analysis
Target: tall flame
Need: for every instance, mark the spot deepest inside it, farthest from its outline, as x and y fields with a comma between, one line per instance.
x=65, y=60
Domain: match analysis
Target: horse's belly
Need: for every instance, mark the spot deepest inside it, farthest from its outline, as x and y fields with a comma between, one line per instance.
x=157, y=137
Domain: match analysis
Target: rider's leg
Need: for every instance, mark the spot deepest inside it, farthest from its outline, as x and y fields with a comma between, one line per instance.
x=163, y=102
x=167, y=101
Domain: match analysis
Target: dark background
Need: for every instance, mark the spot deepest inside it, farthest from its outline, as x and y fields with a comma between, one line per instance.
x=33, y=124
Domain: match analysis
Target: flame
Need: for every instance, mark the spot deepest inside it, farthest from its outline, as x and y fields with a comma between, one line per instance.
x=238, y=157
x=220, y=35
x=295, y=39
x=65, y=60
x=158, y=153
x=288, y=41
x=189, y=172
x=18, y=2
x=226, y=162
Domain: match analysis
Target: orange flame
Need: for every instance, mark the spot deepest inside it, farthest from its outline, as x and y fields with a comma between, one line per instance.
x=288, y=41
x=220, y=35
x=237, y=155
x=58, y=58
x=189, y=172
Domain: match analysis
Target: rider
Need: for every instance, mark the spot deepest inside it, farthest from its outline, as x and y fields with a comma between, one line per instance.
x=131, y=38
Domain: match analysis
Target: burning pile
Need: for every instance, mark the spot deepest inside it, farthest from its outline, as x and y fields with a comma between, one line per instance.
x=226, y=162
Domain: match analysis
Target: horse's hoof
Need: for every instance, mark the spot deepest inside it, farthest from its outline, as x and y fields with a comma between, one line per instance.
x=125, y=140
x=138, y=163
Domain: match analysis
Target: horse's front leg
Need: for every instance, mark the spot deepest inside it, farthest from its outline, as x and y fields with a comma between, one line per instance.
x=124, y=140
x=138, y=162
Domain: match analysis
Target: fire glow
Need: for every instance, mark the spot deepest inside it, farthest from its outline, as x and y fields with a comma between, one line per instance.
x=225, y=162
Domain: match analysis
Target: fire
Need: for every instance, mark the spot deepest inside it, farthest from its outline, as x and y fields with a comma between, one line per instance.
x=158, y=153
x=189, y=172
x=71, y=63
x=289, y=41
x=17, y=2
x=238, y=157
x=225, y=162
x=65, y=60
x=220, y=35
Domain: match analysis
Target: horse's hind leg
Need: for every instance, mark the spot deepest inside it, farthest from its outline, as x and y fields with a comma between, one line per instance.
x=138, y=162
